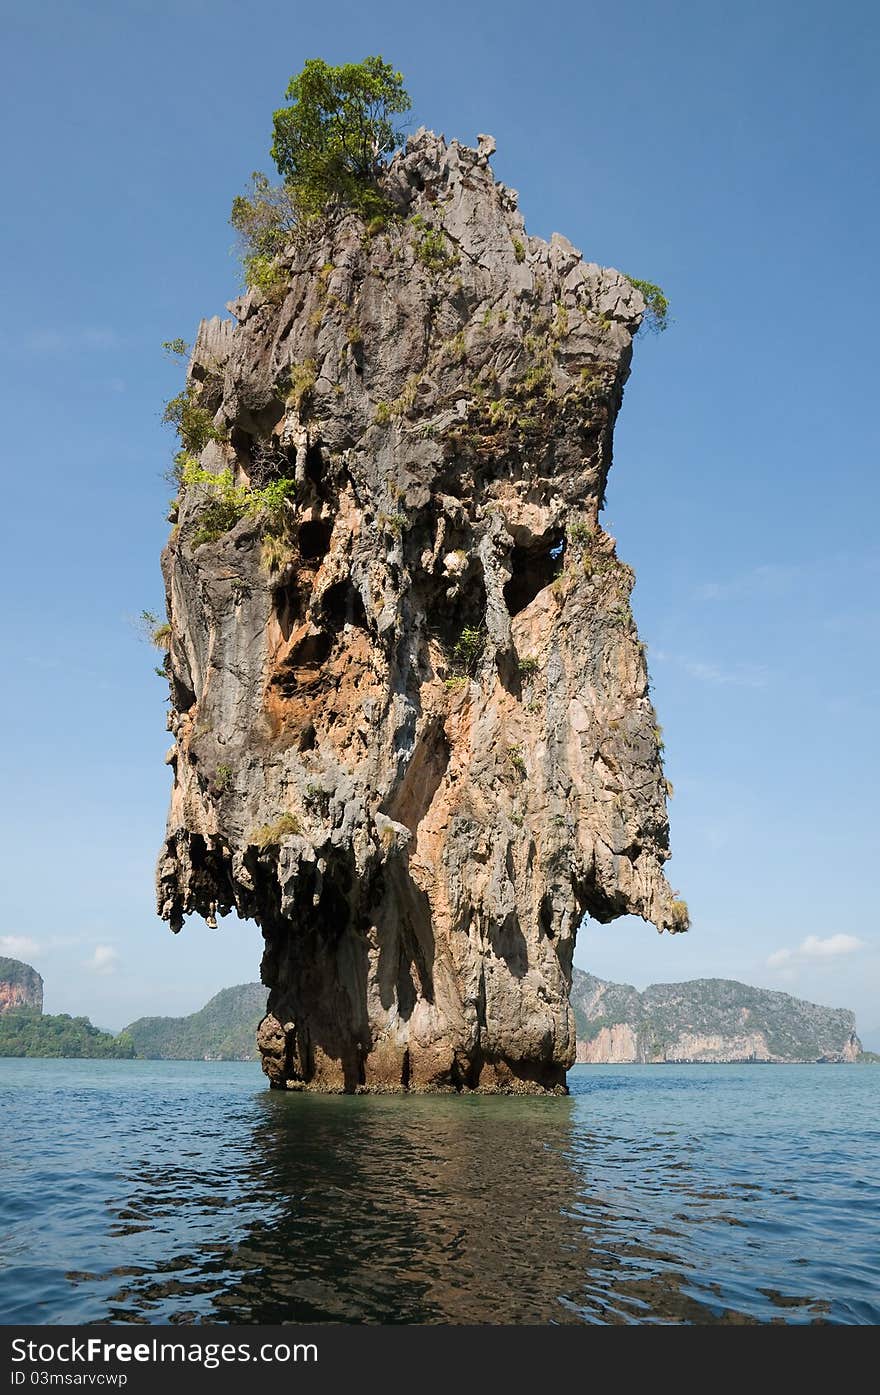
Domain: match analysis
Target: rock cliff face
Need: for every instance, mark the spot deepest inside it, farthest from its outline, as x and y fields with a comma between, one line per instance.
x=20, y=986
x=412, y=736
x=710, y=1019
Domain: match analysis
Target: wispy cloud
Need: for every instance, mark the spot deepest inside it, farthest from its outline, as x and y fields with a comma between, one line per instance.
x=20, y=947
x=814, y=948
x=54, y=339
x=837, y=573
x=769, y=577
x=103, y=960
x=736, y=676
x=715, y=674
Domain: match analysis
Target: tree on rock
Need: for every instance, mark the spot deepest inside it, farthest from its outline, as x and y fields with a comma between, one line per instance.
x=330, y=142
x=329, y=146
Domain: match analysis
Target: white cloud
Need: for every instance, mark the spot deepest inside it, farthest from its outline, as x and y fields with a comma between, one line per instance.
x=779, y=958
x=104, y=960
x=718, y=675
x=20, y=947
x=813, y=948
x=739, y=676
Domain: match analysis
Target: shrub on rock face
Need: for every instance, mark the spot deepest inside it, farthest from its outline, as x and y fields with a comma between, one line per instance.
x=656, y=305
x=266, y=217
x=468, y=649
x=227, y=502
x=192, y=422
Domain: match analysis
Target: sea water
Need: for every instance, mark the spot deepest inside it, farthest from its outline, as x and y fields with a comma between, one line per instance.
x=163, y=1191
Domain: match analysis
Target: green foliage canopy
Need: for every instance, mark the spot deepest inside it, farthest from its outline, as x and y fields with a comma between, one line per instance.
x=329, y=143
x=468, y=649
x=228, y=502
x=225, y=1029
x=25, y=1032
x=175, y=348
x=656, y=305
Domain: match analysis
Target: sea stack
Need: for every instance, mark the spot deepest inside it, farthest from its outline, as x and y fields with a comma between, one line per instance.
x=413, y=737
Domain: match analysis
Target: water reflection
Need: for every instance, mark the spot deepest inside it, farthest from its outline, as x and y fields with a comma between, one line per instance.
x=178, y=1193
x=435, y=1210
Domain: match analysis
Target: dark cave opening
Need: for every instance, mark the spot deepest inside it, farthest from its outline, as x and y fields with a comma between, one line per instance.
x=312, y=651
x=449, y=615
x=288, y=610
x=314, y=538
x=302, y=668
x=315, y=465
x=342, y=605
x=545, y=916
x=182, y=694
x=533, y=567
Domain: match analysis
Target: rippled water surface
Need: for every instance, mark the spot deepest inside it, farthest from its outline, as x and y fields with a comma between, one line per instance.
x=185, y=1191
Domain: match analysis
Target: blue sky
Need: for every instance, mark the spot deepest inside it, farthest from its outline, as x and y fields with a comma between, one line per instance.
x=726, y=152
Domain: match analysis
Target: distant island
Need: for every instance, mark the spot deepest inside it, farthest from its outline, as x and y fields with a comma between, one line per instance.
x=704, y=1020
x=25, y=1030
x=225, y=1029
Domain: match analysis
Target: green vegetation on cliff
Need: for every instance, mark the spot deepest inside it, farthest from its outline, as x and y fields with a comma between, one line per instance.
x=26, y=1032
x=20, y=986
x=329, y=147
x=712, y=1019
x=15, y=971
x=224, y=1029
x=656, y=305
x=330, y=142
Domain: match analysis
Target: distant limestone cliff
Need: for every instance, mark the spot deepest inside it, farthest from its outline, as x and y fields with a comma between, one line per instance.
x=225, y=1029
x=708, y=1019
x=20, y=986
x=25, y=1030
x=704, y=1020
x=412, y=730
